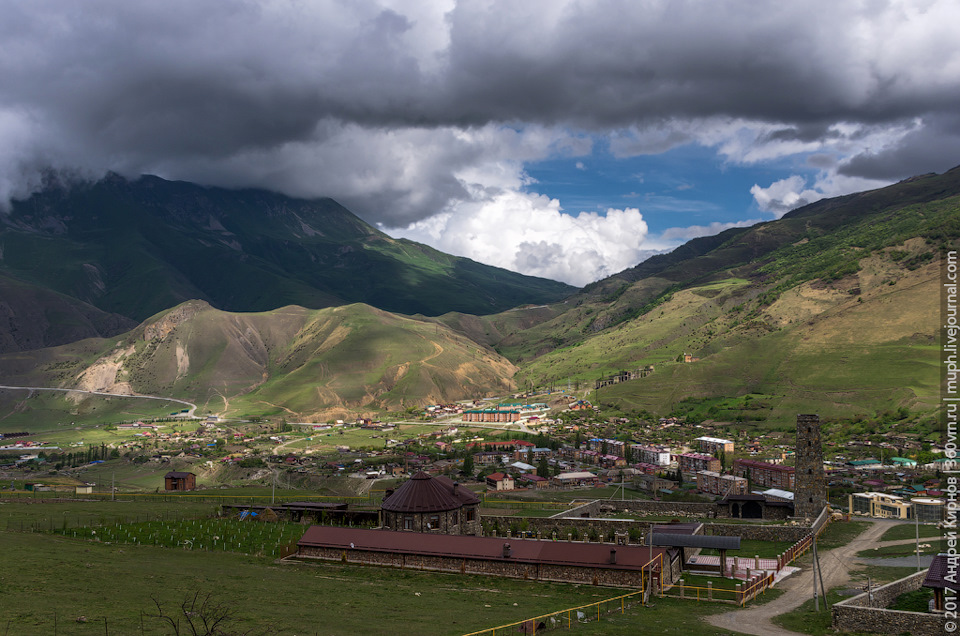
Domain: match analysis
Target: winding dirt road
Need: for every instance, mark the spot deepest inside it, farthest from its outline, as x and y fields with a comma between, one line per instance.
x=836, y=565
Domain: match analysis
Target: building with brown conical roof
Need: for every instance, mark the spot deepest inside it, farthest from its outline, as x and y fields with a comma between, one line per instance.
x=431, y=504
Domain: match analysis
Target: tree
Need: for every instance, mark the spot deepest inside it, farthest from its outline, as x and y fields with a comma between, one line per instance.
x=198, y=615
x=543, y=468
x=468, y=464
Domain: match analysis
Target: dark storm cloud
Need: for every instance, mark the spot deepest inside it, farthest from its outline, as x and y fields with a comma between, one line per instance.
x=933, y=147
x=307, y=97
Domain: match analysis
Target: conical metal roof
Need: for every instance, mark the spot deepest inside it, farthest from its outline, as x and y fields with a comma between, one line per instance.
x=423, y=493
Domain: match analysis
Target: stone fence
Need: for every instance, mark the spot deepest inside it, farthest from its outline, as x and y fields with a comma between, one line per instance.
x=866, y=612
x=750, y=532
x=599, y=527
x=589, y=509
x=590, y=527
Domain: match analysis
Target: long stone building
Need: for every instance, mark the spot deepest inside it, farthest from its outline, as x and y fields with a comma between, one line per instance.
x=630, y=566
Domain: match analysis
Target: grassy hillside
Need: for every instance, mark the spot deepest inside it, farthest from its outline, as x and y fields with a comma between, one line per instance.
x=824, y=241
x=833, y=309
x=33, y=317
x=855, y=346
x=291, y=362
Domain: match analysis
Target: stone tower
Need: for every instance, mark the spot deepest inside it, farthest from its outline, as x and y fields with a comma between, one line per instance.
x=810, y=483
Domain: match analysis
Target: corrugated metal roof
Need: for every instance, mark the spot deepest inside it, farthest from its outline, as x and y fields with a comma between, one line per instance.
x=631, y=557
x=779, y=492
x=423, y=493
x=677, y=528
x=695, y=541
x=177, y=475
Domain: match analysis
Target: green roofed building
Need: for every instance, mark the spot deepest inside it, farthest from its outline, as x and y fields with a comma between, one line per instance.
x=903, y=461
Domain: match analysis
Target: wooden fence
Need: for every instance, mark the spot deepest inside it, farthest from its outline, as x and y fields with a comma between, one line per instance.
x=585, y=613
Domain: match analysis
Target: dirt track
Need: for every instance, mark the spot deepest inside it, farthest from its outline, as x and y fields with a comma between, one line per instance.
x=836, y=565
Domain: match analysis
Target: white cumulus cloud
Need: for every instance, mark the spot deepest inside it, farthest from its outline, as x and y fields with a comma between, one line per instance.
x=791, y=193
x=530, y=234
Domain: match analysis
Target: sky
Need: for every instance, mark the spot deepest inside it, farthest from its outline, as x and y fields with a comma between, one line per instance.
x=568, y=139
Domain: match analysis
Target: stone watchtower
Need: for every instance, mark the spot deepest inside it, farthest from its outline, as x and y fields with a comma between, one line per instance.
x=810, y=483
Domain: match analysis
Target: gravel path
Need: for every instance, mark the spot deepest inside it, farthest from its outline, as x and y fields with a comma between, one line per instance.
x=836, y=565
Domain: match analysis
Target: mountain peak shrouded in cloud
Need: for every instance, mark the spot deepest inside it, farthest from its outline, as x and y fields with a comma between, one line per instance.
x=429, y=116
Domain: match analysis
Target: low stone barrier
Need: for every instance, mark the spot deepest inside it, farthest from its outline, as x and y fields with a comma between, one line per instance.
x=867, y=612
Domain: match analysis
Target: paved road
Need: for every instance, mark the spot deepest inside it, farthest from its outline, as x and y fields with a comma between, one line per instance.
x=836, y=565
x=193, y=407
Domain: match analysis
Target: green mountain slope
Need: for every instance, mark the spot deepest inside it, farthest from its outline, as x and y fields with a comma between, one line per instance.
x=823, y=241
x=290, y=362
x=33, y=317
x=135, y=248
x=832, y=309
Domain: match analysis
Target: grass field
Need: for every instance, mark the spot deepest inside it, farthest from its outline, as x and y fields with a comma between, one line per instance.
x=934, y=546
x=750, y=548
x=51, y=514
x=806, y=620
x=841, y=533
x=227, y=535
x=40, y=589
x=909, y=531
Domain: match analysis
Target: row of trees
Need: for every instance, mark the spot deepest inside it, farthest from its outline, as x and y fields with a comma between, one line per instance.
x=80, y=457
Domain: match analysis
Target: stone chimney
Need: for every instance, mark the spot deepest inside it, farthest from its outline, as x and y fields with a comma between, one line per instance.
x=507, y=551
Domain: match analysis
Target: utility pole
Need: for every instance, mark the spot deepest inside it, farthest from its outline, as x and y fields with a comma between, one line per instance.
x=816, y=557
x=816, y=596
x=917, y=524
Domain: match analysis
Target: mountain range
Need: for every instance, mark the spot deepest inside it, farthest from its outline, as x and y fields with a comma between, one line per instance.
x=93, y=259
x=831, y=309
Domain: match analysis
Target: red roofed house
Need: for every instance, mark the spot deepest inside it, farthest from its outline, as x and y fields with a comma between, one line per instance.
x=500, y=481
x=534, y=481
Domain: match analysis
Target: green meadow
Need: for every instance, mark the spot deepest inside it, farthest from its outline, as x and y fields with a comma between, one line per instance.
x=56, y=580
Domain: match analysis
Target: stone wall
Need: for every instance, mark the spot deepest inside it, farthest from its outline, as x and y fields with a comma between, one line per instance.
x=679, y=509
x=589, y=509
x=460, y=521
x=605, y=528
x=750, y=532
x=600, y=529
x=861, y=614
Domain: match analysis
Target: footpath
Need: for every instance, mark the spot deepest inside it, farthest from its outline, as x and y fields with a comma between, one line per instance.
x=836, y=565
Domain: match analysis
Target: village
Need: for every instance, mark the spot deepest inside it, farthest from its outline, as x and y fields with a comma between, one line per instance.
x=515, y=447
x=647, y=504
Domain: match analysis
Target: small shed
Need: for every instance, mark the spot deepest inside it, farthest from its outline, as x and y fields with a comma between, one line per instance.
x=937, y=579
x=179, y=481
